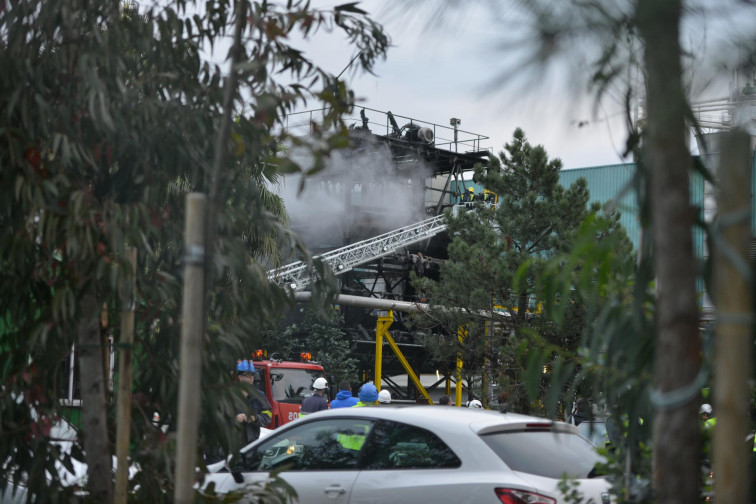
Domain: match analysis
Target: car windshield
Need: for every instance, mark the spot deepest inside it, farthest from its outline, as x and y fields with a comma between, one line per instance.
x=292, y=385
x=545, y=453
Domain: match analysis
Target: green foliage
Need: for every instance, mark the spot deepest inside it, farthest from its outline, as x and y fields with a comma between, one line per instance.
x=614, y=355
x=108, y=118
x=496, y=260
x=320, y=334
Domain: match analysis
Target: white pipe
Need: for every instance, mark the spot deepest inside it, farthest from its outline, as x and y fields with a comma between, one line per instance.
x=367, y=302
x=389, y=304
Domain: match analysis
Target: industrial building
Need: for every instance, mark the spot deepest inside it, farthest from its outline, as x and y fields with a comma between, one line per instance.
x=375, y=214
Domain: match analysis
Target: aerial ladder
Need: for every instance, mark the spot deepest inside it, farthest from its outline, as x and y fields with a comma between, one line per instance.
x=297, y=276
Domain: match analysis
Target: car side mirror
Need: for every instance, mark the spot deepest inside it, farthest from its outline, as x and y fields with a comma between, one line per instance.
x=237, y=477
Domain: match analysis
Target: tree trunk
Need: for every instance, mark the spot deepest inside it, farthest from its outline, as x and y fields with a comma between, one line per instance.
x=94, y=429
x=676, y=450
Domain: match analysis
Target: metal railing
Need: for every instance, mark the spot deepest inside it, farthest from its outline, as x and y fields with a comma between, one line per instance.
x=380, y=124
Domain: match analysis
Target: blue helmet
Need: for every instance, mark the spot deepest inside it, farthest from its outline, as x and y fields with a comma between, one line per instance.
x=245, y=366
x=368, y=393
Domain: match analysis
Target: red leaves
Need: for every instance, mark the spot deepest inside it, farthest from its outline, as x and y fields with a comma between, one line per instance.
x=40, y=429
x=33, y=157
x=98, y=150
x=157, y=218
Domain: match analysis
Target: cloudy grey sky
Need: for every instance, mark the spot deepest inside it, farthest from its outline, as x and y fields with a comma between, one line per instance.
x=434, y=74
x=451, y=69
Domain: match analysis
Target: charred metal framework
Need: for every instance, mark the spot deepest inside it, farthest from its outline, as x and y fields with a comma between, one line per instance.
x=297, y=276
x=447, y=151
x=375, y=262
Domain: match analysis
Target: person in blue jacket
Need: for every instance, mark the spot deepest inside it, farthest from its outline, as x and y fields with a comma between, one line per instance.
x=344, y=398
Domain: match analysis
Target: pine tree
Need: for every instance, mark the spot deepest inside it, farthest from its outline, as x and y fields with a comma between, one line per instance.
x=535, y=220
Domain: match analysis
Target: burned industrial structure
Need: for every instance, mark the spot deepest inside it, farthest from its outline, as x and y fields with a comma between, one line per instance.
x=375, y=214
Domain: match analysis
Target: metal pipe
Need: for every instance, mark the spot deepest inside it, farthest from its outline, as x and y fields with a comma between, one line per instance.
x=366, y=302
x=390, y=304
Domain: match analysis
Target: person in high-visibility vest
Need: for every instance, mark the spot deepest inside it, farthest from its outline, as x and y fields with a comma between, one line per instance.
x=707, y=415
x=709, y=421
x=469, y=195
x=368, y=395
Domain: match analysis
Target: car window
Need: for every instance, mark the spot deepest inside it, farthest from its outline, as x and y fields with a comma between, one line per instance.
x=291, y=385
x=545, y=453
x=394, y=445
x=330, y=444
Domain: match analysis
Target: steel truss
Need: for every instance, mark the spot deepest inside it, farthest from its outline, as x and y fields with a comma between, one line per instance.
x=297, y=276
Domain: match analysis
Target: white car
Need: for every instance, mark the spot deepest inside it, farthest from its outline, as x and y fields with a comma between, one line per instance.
x=64, y=436
x=418, y=455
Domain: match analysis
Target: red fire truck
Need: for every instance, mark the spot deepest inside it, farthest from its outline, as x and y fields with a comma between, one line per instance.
x=286, y=384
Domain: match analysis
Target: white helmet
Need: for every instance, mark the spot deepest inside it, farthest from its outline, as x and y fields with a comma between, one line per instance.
x=705, y=408
x=475, y=404
x=384, y=396
x=320, y=384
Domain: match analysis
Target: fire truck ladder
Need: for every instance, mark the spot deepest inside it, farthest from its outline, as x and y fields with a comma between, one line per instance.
x=297, y=276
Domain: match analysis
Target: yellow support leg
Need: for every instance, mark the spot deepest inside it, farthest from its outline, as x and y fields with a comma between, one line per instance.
x=381, y=328
x=461, y=334
x=382, y=333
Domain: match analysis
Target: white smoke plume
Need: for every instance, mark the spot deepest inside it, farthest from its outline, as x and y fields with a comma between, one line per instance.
x=361, y=193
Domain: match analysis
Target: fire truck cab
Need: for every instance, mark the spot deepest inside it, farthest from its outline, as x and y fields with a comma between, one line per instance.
x=286, y=384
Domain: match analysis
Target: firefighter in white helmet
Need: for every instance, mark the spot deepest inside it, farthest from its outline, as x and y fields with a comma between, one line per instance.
x=317, y=401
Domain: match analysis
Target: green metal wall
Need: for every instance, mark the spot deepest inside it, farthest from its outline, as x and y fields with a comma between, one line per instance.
x=614, y=183
x=611, y=183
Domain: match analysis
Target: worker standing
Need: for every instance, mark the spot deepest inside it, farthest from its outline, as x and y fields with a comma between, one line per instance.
x=317, y=401
x=469, y=195
x=368, y=395
x=384, y=397
x=258, y=413
x=344, y=398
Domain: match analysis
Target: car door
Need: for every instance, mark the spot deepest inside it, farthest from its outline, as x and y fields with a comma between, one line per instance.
x=404, y=463
x=318, y=459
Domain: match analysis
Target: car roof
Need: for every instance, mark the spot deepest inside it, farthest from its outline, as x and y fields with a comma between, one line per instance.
x=480, y=421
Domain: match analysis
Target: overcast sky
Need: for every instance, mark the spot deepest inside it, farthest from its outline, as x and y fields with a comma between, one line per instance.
x=451, y=71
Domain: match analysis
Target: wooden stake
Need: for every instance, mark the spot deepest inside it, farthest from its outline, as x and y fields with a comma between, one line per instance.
x=192, y=328
x=125, y=358
x=732, y=352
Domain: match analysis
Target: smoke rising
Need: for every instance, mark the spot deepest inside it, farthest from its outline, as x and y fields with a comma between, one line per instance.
x=361, y=193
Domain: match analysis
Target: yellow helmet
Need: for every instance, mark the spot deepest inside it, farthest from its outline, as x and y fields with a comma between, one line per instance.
x=471, y=189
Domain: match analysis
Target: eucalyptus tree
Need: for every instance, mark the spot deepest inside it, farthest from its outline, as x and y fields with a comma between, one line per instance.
x=109, y=115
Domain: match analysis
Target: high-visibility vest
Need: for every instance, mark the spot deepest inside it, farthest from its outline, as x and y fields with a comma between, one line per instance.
x=351, y=441
x=361, y=404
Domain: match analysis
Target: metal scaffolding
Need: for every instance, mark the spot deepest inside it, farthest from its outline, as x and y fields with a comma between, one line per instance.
x=297, y=276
